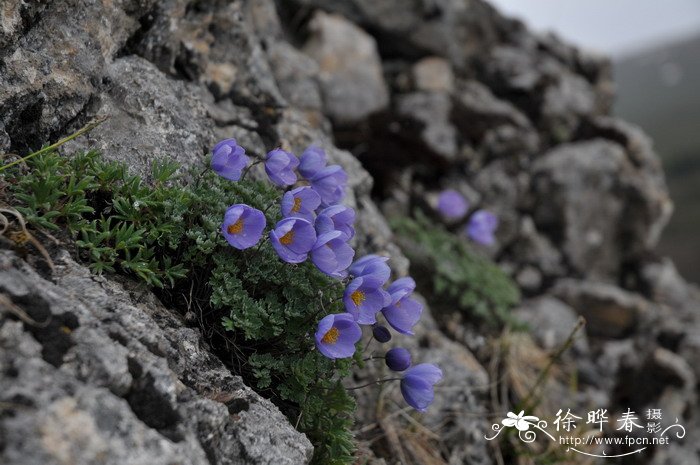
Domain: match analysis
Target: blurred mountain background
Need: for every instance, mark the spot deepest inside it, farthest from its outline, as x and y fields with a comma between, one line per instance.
x=655, y=49
x=659, y=89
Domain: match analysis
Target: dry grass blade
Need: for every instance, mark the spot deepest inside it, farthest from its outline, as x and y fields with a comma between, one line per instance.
x=88, y=127
x=392, y=438
x=533, y=397
x=6, y=304
x=422, y=449
x=22, y=236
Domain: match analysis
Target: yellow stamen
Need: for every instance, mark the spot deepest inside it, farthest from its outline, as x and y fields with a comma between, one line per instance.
x=357, y=297
x=297, y=205
x=287, y=238
x=331, y=337
x=236, y=227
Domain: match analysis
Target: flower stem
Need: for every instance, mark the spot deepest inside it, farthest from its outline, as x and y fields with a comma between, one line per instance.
x=245, y=172
x=88, y=127
x=333, y=283
x=256, y=251
x=268, y=207
x=368, y=343
x=201, y=175
x=377, y=382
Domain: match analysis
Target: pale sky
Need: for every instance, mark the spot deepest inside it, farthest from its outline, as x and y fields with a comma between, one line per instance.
x=614, y=27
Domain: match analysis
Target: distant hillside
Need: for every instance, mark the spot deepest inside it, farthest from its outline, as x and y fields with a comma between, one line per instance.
x=659, y=90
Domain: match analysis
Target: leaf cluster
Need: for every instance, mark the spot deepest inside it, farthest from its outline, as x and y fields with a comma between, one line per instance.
x=114, y=217
x=461, y=278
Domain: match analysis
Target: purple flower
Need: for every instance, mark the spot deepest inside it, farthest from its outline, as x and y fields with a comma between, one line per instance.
x=481, y=227
x=403, y=312
x=402, y=286
x=228, y=159
x=280, y=166
x=292, y=239
x=301, y=202
x=364, y=297
x=398, y=359
x=337, y=335
x=381, y=334
x=452, y=204
x=330, y=184
x=371, y=264
x=417, y=385
x=336, y=217
x=332, y=255
x=243, y=226
x=312, y=161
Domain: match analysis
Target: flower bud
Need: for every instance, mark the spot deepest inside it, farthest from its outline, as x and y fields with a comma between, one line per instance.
x=381, y=334
x=398, y=359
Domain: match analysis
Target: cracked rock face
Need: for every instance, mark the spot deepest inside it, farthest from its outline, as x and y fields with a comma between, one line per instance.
x=349, y=68
x=169, y=117
x=102, y=373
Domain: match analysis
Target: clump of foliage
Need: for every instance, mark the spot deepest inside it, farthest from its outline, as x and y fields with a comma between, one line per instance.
x=167, y=234
x=461, y=277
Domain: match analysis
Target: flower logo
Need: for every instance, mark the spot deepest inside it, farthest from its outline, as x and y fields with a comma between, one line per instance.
x=520, y=421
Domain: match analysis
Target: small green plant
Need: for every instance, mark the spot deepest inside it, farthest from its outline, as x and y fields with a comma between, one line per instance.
x=461, y=277
x=117, y=221
x=168, y=235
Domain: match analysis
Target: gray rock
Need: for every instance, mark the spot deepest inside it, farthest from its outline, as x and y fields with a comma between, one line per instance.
x=529, y=279
x=150, y=117
x=638, y=145
x=264, y=17
x=543, y=75
x=297, y=76
x=349, y=68
x=551, y=322
x=502, y=196
x=108, y=375
x=14, y=16
x=680, y=454
x=453, y=29
x=602, y=207
x=533, y=248
x=666, y=285
x=477, y=110
x=662, y=380
x=509, y=69
x=609, y=311
x=565, y=103
x=690, y=349
x=433, y=74
x=611, y=357
x=509, y=141
x=48, y=81
x=431, y=110
x=641, y=154
x=214, y=44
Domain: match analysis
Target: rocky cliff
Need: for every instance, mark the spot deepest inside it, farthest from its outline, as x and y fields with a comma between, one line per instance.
x=411, y=97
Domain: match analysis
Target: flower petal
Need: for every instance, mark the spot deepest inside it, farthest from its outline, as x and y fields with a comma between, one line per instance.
x=403, y=315
x=417, y=392
x=427, y=371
